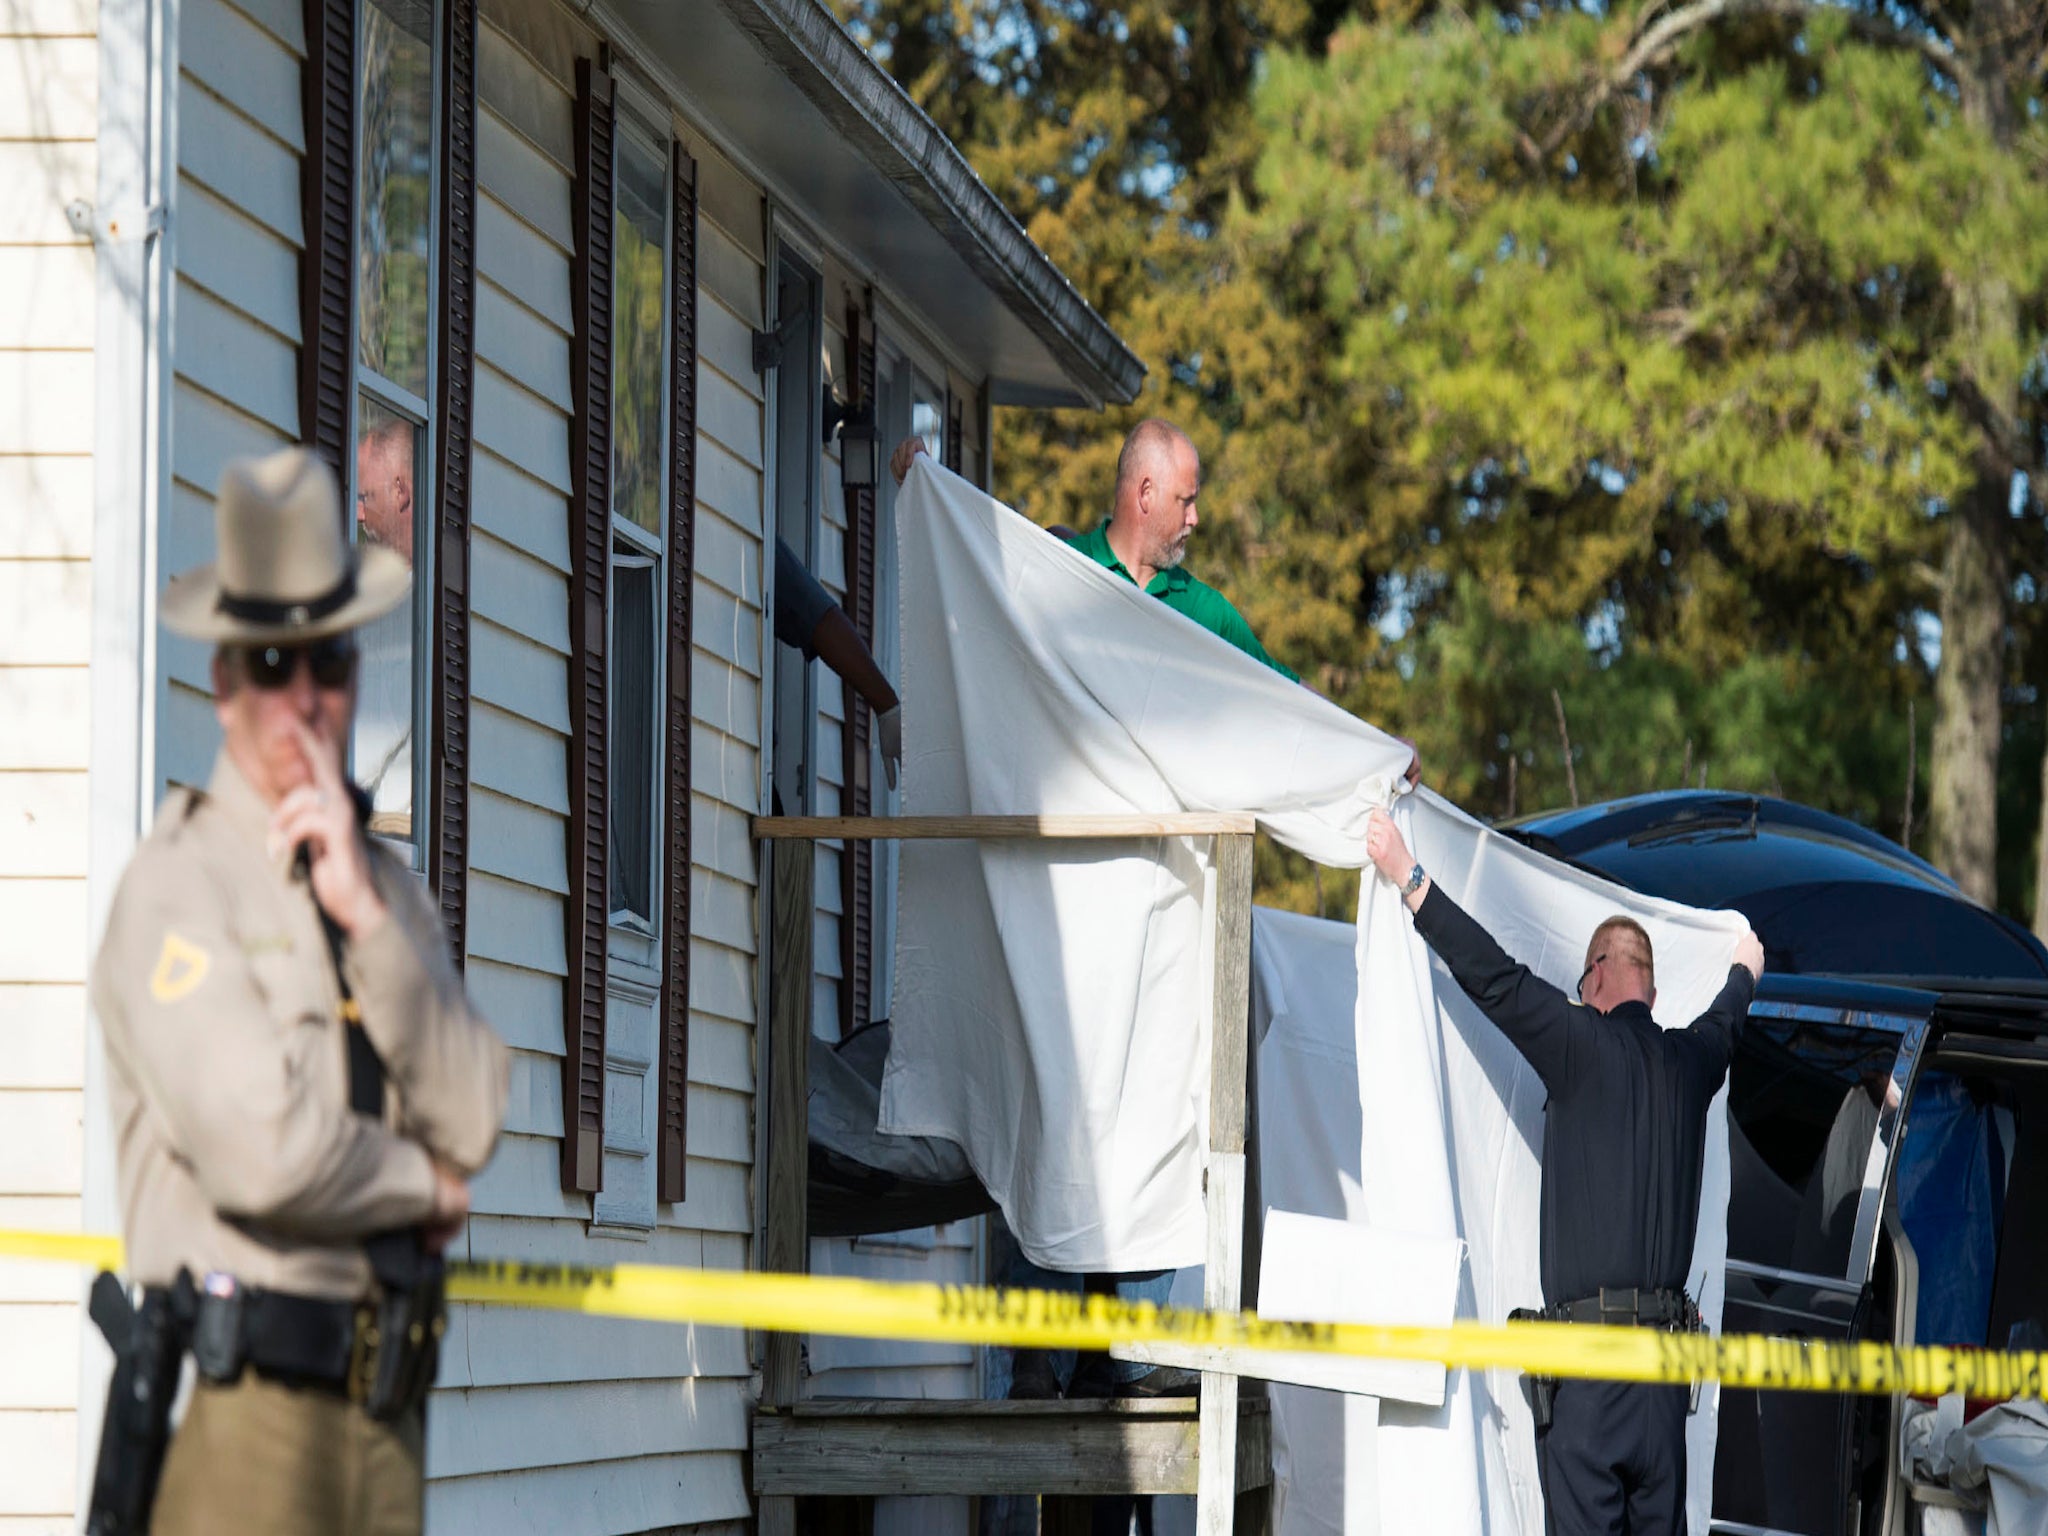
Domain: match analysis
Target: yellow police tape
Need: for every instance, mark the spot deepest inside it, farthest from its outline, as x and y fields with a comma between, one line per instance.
x=1061, y=1320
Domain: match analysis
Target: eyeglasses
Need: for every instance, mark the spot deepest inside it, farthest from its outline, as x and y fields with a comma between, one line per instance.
x=332, y=662
x=1606, y=957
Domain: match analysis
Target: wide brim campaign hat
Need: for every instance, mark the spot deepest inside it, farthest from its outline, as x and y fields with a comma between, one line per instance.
x=286, y=571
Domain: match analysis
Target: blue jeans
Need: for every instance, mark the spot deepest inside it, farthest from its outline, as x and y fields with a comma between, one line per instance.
x=1153, y=1285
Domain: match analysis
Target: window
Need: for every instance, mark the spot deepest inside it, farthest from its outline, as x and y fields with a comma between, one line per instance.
x=635, y=734
x=388, y=446
x=394, y=277
x=626, y=998
x=636, y=723
x=1805, y=1101
x=639, y=506
x=928, y=417
x=794, y=390
x=911, y=405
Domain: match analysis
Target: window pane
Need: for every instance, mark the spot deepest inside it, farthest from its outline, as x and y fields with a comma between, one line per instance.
x=1804, y=1099
x=633, y=736
x=928, y=421
x=639, y=331
x=387, y=446
x=393, y=227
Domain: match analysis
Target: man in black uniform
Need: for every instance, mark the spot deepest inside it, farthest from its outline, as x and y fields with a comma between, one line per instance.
x=1624, y=1138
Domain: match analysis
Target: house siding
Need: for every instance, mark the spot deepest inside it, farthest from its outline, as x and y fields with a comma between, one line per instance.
x=539, y=1422
x=548, y=1422
x=234, y=350
x=48, y=124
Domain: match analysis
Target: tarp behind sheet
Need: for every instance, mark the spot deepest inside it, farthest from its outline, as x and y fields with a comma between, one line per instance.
x=1304, y=997
x=1051, y=1004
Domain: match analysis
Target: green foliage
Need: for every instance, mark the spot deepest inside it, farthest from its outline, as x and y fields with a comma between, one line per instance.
x=1658, y=406
x=1665, y=424
x=1642, y=717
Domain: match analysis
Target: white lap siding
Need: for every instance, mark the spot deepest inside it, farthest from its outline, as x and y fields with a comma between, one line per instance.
x=48, y=99
x=546, y=1422
x=726, y=672
x=235, y=339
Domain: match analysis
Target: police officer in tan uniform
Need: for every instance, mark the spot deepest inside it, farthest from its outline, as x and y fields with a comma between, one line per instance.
x=300, y=1092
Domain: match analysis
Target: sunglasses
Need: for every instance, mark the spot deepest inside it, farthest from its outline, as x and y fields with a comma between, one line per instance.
x=332, y=661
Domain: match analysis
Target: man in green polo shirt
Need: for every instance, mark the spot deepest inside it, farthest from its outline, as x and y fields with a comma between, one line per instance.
x=1145, y=537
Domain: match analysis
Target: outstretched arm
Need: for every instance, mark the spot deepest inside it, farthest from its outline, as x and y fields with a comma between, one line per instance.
x=808, y=619
x=1719, y=1029
x=839, y=645
x=1536, y=1017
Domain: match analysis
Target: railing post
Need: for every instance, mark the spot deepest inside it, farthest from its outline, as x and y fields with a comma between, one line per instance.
x=1223, y=1277
x=786, y=1240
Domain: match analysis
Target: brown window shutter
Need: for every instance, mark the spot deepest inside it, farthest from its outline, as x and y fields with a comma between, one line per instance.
x=682, y=517
x=857, y=861
x=327, y=198
x=984, y=423
x=588, y=909
x=956, y=440
x=448, y=844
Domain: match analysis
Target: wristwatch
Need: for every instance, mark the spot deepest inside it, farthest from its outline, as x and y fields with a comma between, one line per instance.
x=1415, y=878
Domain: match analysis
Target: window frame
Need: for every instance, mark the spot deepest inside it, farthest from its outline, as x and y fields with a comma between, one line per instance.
x=791, y=246
x=401, y=402
x=632, y=941
x=634, y=945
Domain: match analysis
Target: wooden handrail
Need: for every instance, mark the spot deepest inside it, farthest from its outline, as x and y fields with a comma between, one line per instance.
x=1005, y=828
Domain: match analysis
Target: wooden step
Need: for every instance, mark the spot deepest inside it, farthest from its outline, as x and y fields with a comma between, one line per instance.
x=883, y=1446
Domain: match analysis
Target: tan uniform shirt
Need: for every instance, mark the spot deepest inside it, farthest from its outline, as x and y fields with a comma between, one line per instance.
x=228, y=1060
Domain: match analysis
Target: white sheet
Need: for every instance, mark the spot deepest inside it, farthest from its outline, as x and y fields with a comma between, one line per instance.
x=1998, y=1461
x=1051, y=1002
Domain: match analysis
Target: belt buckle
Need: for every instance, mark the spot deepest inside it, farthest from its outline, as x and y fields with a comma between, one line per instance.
x=364, y=1342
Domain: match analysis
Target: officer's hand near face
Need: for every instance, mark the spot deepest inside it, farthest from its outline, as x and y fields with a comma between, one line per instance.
x=321, y=815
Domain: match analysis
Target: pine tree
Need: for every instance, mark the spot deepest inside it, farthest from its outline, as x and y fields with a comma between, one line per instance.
x=1690, y=347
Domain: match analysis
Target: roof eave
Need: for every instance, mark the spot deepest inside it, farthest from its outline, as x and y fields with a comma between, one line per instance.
x=854, y=94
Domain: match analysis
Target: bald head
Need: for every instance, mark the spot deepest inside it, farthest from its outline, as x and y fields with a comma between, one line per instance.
x=1149, y=449
x=384, y=485
x=1158, y=477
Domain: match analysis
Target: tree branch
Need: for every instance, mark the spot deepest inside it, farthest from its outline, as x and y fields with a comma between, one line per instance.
x=1661, y=38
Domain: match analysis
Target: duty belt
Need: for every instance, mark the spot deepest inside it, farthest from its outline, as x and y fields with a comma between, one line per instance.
x=1627, y=1306
x=379, y=1355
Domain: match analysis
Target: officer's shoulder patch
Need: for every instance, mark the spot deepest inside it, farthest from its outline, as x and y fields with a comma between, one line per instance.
x=181, y=966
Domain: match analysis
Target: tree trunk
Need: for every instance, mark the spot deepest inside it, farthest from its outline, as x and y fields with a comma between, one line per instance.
x=1963, y=767
x=1963, y=779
